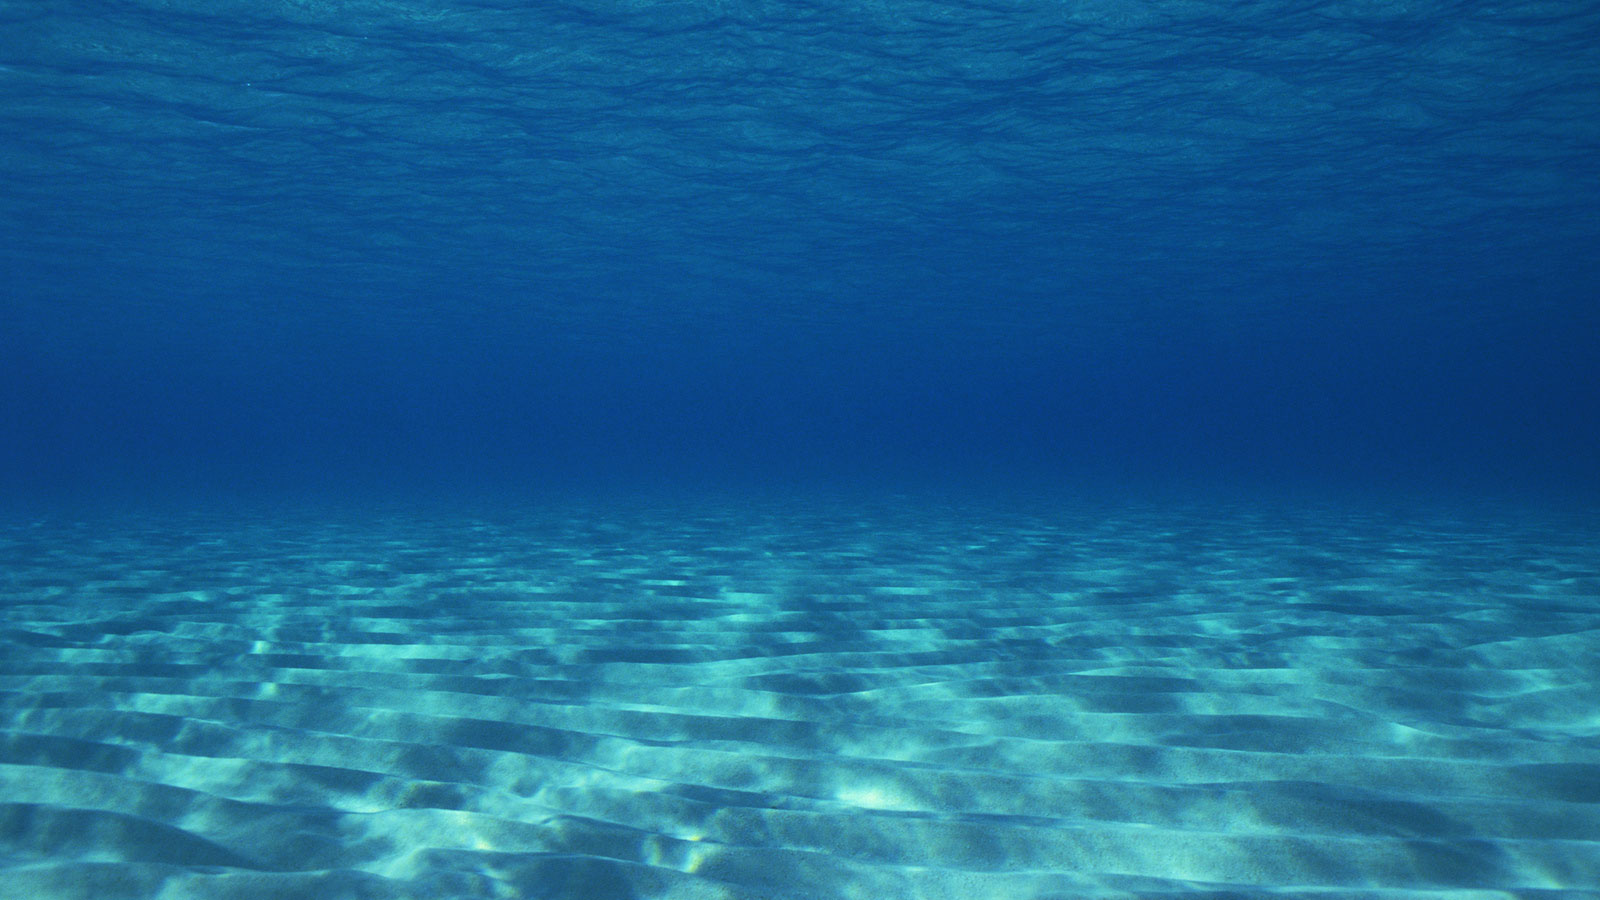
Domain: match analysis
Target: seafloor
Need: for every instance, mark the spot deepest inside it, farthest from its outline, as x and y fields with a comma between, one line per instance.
x=751, y=698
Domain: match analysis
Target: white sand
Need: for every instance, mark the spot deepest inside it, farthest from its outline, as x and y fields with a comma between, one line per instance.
x=924, y=701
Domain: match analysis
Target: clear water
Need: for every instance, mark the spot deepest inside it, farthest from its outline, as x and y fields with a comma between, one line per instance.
x=799, y=450
x=803, y=699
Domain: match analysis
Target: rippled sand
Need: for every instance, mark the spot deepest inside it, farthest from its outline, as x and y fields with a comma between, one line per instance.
x=894, y=699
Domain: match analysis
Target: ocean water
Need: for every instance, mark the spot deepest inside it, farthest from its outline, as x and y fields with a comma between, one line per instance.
x=799, y=450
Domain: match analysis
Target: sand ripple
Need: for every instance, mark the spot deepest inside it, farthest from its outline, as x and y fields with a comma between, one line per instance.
x=724, y=701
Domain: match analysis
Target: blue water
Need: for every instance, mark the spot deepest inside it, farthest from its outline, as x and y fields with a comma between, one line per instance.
x=802, y=362
x=304, y=244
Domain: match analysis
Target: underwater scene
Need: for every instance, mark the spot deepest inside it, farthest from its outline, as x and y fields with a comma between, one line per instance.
x=799, y=450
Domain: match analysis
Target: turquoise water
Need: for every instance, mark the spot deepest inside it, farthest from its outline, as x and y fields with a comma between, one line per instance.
x=804, y=699
x=800, y=450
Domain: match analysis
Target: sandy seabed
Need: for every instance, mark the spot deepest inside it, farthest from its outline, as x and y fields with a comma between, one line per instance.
x=875, y=700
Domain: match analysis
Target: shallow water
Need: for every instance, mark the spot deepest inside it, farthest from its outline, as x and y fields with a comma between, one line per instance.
x=799, y=449
x=894, y=697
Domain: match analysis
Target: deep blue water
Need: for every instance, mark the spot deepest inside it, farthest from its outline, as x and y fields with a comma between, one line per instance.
x=598, y=449
x=267, y=246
